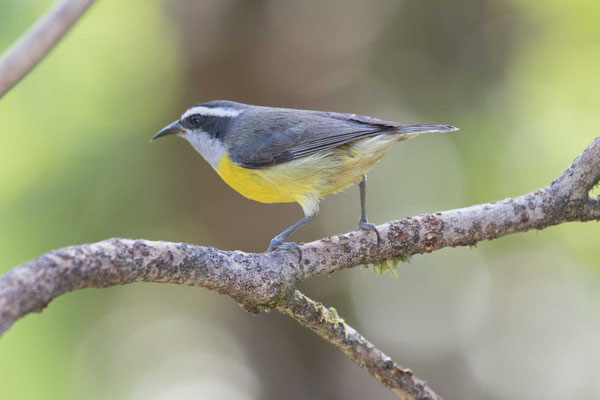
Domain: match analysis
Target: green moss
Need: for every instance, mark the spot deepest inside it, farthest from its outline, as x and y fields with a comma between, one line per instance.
x=390, y=265
x=332, y=317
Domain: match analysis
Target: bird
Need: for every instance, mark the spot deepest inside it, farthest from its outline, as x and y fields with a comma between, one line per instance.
x=285, y=155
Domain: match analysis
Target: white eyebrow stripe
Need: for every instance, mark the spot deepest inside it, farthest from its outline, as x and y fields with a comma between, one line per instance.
x=214, y=112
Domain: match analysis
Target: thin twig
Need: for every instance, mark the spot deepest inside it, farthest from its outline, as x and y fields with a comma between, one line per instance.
x=37, y=42
x=326, y=323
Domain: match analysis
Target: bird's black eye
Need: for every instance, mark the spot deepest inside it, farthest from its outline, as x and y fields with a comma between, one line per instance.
x=195, y=120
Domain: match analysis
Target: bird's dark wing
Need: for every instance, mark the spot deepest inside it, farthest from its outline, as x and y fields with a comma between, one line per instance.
x=283, y=138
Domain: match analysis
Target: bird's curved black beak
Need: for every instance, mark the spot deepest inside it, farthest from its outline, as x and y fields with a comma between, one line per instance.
x=171, y=129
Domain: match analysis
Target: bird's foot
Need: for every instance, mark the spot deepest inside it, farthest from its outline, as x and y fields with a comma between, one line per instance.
x=279, y=245
x=367, y=226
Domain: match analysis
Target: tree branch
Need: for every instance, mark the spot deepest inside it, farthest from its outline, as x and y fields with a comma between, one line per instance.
x=268, y=280
x=37, y=42
x=326, y=323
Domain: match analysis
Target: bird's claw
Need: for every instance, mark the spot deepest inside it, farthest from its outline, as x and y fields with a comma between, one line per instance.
x=279, y=245
x=367, y=226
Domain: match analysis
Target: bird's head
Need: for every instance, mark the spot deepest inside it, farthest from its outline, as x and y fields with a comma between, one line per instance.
x=205, y=126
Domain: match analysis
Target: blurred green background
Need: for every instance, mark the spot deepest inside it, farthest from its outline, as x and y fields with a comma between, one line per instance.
x=514, y=318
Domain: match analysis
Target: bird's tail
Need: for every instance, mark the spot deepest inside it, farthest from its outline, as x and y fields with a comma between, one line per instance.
x=413, y=130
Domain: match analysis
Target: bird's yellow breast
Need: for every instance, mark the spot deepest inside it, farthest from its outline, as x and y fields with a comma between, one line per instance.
x=308, y=178
x=253, y=183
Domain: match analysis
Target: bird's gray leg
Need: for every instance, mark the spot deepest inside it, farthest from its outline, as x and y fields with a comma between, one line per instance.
x=363, y=222
x=278, y=241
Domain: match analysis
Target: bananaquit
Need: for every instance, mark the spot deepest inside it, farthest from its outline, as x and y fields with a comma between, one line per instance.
x=282, y=155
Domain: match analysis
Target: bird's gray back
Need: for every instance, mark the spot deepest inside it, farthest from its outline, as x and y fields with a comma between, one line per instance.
x=266, y=136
